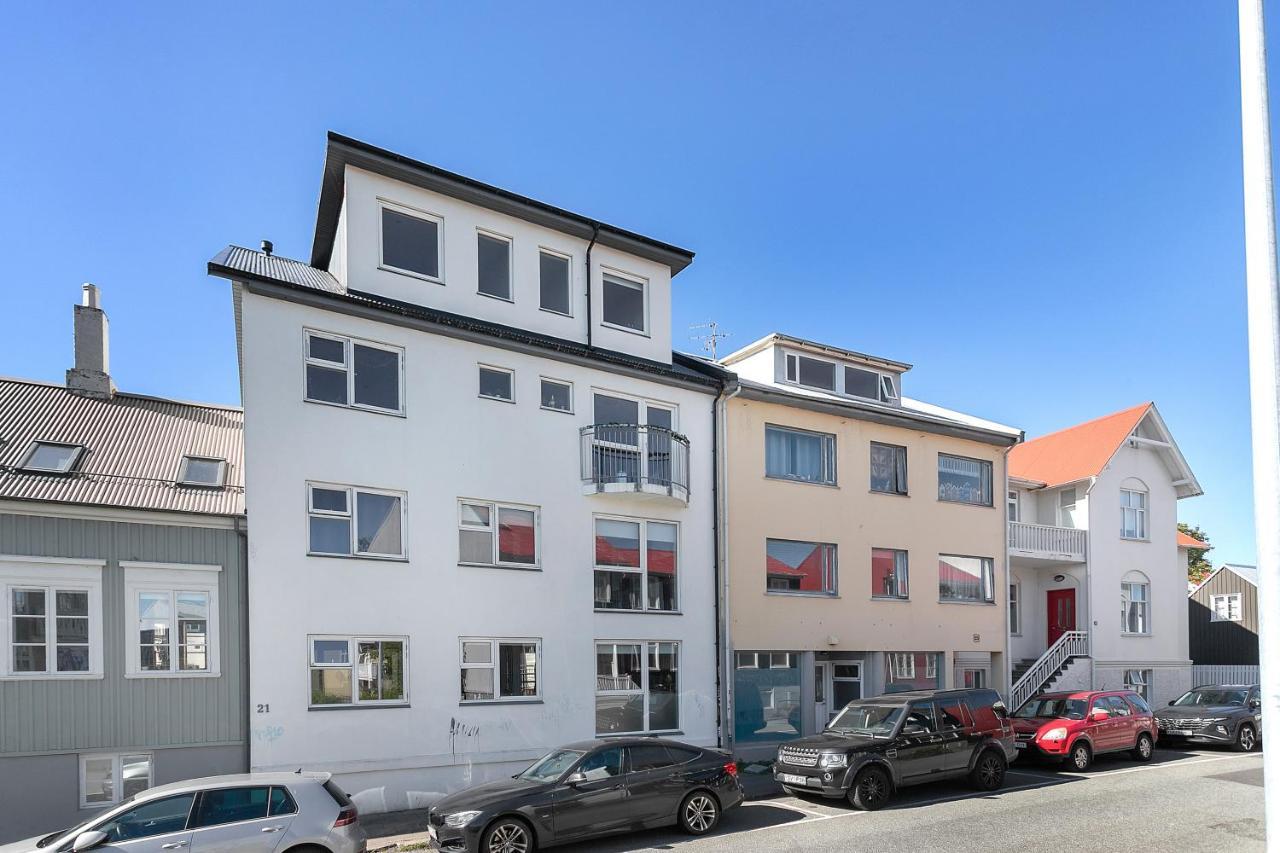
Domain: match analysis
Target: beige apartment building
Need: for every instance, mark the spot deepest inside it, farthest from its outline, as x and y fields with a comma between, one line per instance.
x=863, y=540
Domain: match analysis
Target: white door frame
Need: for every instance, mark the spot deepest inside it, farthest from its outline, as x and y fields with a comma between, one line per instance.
x=821, y=688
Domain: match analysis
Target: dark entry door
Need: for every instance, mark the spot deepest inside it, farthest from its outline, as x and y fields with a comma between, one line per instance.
x=1062, y=613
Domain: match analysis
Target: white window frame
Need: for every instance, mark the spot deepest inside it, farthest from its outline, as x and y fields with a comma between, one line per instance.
x=1139, y=514
x=1141, y=684
x=171, y=579
x=494, y=647
x=566, y=256
x=828, y=455
x=493, y=368
x=900, y=582
x=498, y=237
x=186, y=462
x=353, y=663
x=902, y=665
x=51, y=575
x=493, y=530
x=1126, y=599
x=979, y=677
x=416, y=213
x=793, y=358
x=117, y=775
x=1013, y=505
x=626, y=279
x=647, y=647
x=565, y=383
x=26, y=465
x=987, y=581
x=991, y=485
x=1066, y=509
x=352, y=516
x=642, y=410
x=1015, y=608
x=1233, y=601
x=886, y=383
x=830, y=570
x=348, y=366
x=643, y=570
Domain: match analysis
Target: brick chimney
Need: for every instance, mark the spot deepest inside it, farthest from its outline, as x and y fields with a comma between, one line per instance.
x=91, y=375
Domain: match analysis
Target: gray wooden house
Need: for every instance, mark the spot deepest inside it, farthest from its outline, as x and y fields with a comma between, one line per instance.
x=122, y=582
x=1223, y=614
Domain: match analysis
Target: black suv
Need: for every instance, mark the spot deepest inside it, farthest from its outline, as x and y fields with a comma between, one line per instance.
x=874, y=746
x=1227, y=714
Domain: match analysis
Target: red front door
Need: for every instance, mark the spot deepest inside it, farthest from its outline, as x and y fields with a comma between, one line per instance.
x=1062, y=613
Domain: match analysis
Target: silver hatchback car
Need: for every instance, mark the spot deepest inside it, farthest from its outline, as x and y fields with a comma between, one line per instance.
x=246, y=813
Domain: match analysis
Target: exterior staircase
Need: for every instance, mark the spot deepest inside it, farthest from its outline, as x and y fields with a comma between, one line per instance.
x=1034, y=676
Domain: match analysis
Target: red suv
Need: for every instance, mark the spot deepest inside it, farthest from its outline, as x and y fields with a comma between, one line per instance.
x=1075, y=727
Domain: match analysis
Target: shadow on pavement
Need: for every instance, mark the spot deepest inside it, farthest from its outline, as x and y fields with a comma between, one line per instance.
x=758, y=815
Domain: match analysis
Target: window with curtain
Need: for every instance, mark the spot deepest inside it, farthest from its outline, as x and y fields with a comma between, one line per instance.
x=965, y=578
x=964, y=480
x=792, y=454
x=888, y=573
x=888, y=468
x=1135, y=604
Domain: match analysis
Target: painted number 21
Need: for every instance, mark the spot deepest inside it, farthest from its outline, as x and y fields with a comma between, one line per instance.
x=264, y=708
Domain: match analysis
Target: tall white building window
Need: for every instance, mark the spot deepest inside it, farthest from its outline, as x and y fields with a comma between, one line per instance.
x=1011, y=502
x=1135, y=604
x=1015, y=608
x=50, y=619
x=637, y=687
x=172, y=611
x=1133, y=514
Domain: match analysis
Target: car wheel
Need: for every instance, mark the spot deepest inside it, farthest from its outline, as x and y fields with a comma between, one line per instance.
x=699, y=813
x=1143, y=749
x=870, y=790
x=507, y=836
x=1246, y=739
x=1081, y=756
x=988, y=771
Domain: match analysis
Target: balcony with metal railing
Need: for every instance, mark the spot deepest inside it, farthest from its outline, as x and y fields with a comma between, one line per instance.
x=1046, y=544
x=635, y=459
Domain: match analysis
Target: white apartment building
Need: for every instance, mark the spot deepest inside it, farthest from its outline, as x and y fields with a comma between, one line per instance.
x=479, y=485
x=1098, y=577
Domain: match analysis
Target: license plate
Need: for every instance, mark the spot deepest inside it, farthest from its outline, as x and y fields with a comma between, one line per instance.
x=1019, y=745
x=791, y=779
x=1180, y=732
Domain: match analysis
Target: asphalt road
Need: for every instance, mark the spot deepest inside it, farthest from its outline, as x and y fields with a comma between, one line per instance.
x=1184, y=800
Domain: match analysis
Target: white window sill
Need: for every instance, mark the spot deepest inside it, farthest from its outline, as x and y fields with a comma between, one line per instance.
x=970, y=603
x=561, y=411
x=355, y=408
x=511, y=567
x=371, y=557
x=965, y=503
x=902, y=598
x=507, y=299
x=496, y=399
x=164, y=675
x=509, y=700
x=51, y=676
x=411, y=274
x=1124, y=538
x=776, y=479
x=361, y=706
x=642, y=612
x=1132, y=634
x=893, y=494
x=781, y=593
x=630, y=331
x=554, y=311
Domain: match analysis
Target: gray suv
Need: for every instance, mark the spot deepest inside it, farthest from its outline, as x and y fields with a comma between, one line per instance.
x=1226, y=714
x=247, y=813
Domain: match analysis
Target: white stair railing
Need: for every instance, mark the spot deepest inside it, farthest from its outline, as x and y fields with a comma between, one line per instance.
x=1072, y=644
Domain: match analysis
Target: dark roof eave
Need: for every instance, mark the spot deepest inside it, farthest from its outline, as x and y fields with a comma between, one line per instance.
x=343, y=151
x=694, y=373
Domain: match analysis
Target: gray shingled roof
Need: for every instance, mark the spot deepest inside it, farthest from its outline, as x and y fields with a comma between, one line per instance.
x=133, y=449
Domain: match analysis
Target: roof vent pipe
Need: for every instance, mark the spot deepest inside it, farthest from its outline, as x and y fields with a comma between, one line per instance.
x=91, y=374
x=267, y=247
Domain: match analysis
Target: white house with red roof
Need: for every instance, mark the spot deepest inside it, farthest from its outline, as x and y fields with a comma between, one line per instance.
x=1097, y=567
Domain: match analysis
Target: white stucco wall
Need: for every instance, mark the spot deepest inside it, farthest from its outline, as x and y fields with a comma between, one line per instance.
x=449, y=444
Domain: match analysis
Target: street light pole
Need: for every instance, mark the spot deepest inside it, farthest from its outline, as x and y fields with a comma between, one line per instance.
x=1264, y=374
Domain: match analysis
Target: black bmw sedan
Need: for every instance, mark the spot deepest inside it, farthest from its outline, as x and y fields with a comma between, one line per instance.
x=589, y=789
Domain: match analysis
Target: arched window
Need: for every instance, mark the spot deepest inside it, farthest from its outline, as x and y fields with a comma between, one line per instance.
x=1135, y=604
x=1133, y=509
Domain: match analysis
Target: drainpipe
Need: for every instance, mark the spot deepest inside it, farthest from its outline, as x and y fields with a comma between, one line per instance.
x=595, y=232
x=719, y=524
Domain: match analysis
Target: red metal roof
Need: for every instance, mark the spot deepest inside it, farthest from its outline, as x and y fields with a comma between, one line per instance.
x=1074, y=453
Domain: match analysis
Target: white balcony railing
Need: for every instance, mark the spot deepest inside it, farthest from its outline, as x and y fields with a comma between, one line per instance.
x=635, y=458
x=1047, y=542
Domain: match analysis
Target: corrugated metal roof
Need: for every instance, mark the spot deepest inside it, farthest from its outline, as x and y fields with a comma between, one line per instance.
x=133, y=449
x=275, y=268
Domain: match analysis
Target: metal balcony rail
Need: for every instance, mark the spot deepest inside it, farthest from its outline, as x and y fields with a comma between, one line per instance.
x=635, y=457
x=1047, y=539
x=1072, y=644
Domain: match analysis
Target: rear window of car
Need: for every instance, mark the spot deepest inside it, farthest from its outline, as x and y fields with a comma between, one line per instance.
x=649, y=758
x=682, y=754
x=281, y=802
x=339, y=795
x=1138, y=702
x=230, y=805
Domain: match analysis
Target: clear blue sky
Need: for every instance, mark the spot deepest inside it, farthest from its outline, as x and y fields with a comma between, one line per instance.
x=1039, y=205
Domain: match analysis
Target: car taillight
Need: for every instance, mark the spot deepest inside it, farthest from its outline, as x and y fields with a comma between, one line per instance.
x=347, y=815
x=731, y=768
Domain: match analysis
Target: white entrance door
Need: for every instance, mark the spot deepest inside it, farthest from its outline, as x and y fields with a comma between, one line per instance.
x=821, y=690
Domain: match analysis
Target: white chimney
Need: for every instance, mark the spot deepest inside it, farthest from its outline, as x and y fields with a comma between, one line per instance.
x=91, y=375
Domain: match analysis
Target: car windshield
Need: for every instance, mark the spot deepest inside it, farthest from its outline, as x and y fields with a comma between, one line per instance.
x=1212, y=696
x=551, y=766
x=877, y=720
x=1071, y=709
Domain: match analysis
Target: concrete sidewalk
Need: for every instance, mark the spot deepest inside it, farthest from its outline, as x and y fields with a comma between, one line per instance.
x=407, y=830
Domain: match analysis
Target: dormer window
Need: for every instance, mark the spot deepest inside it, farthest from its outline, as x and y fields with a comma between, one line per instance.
x=811, y=372
x=625, y=303
x=52, y=457
x=411, y=242
x=203, y=471
x=849, y=380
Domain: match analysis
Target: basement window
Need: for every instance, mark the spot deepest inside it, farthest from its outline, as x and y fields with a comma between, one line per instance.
x=52, y=457
x=203, y=471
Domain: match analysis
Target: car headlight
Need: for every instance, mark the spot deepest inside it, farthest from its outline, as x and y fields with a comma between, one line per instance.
x=840, y=760
x=460, y=819
x=1216, y=720
x=1060, y=733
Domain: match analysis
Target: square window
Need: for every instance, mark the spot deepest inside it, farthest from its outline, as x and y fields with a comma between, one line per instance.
x=800, y=567
x=107, y=779
x=553, y=283
x=496, y=384
x=51, y=457
x=515, y=543
x=888, y=573
x=501, y=670
x=411, y=243
x=557, y=396
x=352, y=521
x=637, y=687
x=347, y=372
x=493, y=265
x=202, y=471
x=358, y=671
x=624, y=303
x=631, y=577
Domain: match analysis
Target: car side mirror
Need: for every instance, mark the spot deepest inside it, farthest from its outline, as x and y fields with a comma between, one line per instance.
x=576, y=779
x=88, y=840
x=1254, y=704
x=1001, y=709
x=1099, y=716
x=1173, y=701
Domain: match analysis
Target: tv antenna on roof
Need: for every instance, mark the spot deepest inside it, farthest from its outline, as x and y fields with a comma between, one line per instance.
x=712, y=337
